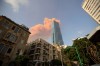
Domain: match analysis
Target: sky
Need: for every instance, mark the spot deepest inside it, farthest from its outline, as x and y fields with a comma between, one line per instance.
x=37, y=15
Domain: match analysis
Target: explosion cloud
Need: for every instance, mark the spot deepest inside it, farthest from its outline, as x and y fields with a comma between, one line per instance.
x=41, y=30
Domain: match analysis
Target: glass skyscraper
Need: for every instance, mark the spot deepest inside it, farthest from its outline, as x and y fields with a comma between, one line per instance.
x=56, y=33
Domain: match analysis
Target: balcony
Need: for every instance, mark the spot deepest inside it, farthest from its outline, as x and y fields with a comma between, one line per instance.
x=46, y=47
x=10, y=37
x=38, y=45
x=45, y=52
x=37, y=51
x=37, y=57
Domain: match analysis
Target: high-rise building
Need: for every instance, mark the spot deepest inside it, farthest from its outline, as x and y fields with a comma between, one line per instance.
x=94, y=36
x=56, y=33
x=92, y=7
x=40, y=51
x=13, y=39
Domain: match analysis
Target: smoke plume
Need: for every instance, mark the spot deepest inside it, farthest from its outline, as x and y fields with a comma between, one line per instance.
x=41, y=30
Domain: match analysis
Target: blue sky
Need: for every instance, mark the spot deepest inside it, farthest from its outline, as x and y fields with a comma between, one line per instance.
x=75, y=22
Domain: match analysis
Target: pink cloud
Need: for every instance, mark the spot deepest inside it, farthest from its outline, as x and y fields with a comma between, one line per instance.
x=41, y=30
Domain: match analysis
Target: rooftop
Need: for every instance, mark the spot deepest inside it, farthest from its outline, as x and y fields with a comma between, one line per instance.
x=21, y=26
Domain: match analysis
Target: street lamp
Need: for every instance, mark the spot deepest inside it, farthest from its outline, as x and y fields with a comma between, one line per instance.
x=36, y=63
x=61, y=54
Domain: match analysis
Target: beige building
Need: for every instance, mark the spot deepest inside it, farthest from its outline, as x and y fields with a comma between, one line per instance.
x=42, y=51
x=13, y=38
x=92, y=7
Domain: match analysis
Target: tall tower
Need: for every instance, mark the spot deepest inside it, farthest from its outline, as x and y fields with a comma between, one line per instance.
x=56, y=33
x=92, y=7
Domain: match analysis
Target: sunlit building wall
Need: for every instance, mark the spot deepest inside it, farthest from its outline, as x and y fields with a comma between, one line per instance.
x=13, y=39
x=41, y=51
x=92, y=7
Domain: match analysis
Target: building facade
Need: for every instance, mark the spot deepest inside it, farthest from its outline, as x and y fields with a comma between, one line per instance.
x=41, y=51
x=94, y=36
x=13, y=38
x=56, y=33
x=92, y=7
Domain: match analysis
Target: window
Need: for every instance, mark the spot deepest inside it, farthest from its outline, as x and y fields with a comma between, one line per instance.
x=4, y=50
x=13, y=28
x=1, y=46
x=5, y=24
x=8, y=35
x=19, y=30
x=11, y=37
x=31, y=52
x=98, y=16
x=16, y=30
x=0, y=31
x=9, y=50
x=96, y=9
x=24, y=34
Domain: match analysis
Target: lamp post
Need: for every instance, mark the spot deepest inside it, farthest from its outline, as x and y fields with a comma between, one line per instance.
x=78, y=55
x=36, y=63
x=61, y=55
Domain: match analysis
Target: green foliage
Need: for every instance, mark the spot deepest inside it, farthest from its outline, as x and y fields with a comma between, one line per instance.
x=81, y=44
x=56, y=62
x=71, y=53
x=22, y=60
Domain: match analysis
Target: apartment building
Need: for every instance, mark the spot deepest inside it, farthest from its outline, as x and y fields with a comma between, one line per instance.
x=41, y=51
x=92, y=7
x=13, y=38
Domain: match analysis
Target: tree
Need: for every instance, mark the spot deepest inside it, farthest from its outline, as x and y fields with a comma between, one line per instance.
x=71, y=53
x=22, y=60
x=56, y=62
x=81, y=44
